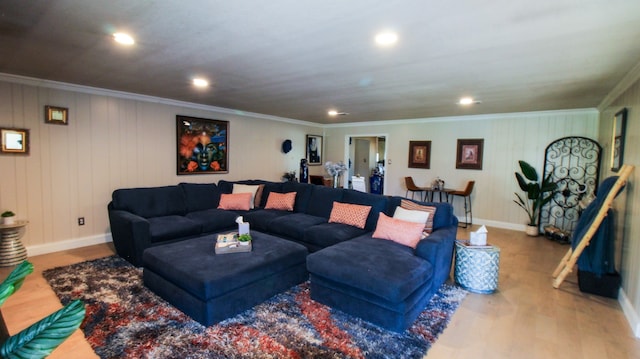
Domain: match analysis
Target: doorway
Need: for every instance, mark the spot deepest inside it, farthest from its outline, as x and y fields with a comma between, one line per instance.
x=366, y=157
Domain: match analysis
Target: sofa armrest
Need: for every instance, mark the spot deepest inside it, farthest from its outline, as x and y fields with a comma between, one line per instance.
x=437, y=249
x=130, y=235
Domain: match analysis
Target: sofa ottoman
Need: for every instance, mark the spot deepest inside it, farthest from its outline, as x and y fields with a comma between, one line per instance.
x=211, y=287
x=377, y=280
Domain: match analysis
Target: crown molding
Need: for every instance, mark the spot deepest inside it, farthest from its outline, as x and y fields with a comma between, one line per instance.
x=31, y=81
x=627, y=81
x=484, y=117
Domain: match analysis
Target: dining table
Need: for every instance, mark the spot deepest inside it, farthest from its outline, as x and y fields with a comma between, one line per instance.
x=433, y=191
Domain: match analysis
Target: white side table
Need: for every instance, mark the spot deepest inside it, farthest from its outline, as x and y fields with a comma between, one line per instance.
x=12, y=251
x=477, y=268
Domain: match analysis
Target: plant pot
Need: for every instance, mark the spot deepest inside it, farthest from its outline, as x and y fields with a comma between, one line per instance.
x=532, y=230
x=8, y=220
x=245, y=243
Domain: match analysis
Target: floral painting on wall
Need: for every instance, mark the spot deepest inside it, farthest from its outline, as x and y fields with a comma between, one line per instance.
x=202, y=145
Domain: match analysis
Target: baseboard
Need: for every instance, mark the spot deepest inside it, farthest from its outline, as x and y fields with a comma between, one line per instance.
x=629, y=312
x=496, y=224
x=68, y=244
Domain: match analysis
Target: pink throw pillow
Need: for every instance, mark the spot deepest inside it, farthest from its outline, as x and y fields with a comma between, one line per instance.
x=281, y=201
x=351, y=214
x=237, y=201
x=399, y=231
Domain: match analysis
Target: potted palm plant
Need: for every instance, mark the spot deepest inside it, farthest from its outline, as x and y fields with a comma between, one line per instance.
x=537, y=194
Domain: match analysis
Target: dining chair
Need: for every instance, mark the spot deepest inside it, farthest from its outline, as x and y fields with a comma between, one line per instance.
x=411, y=187
x=466, y=196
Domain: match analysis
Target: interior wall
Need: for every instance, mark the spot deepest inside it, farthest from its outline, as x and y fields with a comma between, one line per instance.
x=116, y=142
x=627, y=205
x=507, y=139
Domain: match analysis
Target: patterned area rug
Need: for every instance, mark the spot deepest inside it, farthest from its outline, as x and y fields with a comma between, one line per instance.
x=126, y=320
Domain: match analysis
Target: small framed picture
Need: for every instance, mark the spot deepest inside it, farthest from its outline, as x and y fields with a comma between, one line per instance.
x=314, y=150
x=617, y=142
x=420, y=154
x=15, y=141
x=469, y=154
x=56, y=115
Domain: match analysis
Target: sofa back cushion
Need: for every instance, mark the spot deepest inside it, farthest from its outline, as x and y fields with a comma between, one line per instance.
x=303, y=194
x=200, y=196
x=321, y=201
x=377, y=202
x=150, y=202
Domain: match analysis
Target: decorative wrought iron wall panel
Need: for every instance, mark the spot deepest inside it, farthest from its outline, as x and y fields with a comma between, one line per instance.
x=574, y=163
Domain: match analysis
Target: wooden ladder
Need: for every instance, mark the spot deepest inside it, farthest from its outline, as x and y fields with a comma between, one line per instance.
x=571, y=257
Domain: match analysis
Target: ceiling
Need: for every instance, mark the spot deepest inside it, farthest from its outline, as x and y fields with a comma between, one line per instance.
x=298, y=59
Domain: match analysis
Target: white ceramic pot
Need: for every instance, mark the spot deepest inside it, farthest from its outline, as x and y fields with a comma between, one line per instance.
x=8, y=220
x=532, y=231
x=244, y=243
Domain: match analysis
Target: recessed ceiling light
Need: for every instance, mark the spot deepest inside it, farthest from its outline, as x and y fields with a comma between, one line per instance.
x=336, y=113
x=199, y=82
x=123, y=38
x=386, y=38
x=468, y=101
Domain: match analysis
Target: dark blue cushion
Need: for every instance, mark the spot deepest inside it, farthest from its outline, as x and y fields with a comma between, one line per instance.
x=322, y=199
x=150, y=202
x=303, y=194
x=377, y=202
x=328, y=234
x=212, y=220
x=171, y=227
x=293, y=225
x=225, y=186
x=200, y=196
x=378, y=266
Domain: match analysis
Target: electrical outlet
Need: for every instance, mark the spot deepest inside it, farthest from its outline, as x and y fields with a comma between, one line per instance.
x=81, y=221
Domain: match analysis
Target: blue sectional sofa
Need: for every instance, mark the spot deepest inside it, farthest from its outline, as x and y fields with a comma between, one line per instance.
x=379, y=280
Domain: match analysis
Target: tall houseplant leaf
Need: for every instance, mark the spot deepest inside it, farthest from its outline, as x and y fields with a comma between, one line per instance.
x=537, y=194
x=41, y=338
x=14, y=280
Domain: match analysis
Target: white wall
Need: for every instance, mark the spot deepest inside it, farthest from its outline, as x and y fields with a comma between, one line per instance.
x=507, y=139
x=113, y=141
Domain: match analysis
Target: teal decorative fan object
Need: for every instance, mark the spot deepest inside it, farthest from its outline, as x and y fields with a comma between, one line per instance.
x=41, y=338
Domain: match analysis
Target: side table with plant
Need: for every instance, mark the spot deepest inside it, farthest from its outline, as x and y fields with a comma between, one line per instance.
x=537, y=194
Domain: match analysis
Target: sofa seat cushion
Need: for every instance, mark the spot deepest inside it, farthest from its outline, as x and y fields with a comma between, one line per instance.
x=328, y=234
x=384, y=268
x=294, y=225
x=260, y=218
x=172, y=227
x=212, y=220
